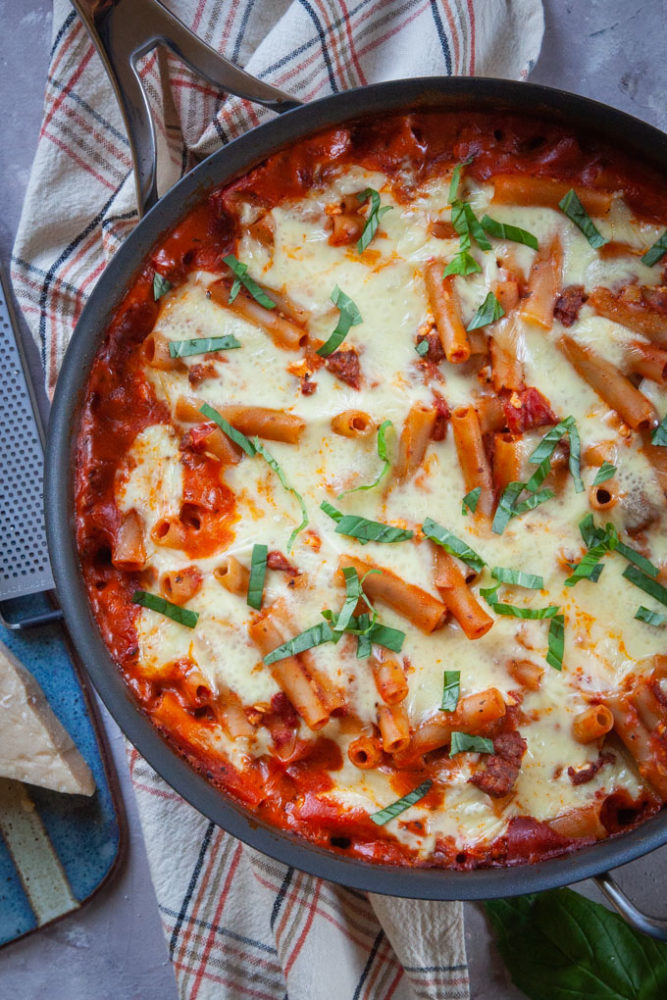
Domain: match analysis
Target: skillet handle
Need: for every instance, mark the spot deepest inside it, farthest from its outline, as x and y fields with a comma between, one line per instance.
x=125, y=30
x=653, y=926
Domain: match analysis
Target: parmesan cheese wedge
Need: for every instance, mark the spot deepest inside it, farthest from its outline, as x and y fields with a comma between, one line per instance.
x=34, y=746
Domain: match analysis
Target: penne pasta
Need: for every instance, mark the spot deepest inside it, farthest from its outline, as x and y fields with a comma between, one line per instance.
x=524, y=189
x=592, y=724
x=365, y=751
x=233, y=576
x=180, y=585
x=473, y=714
x=647, y=360
x=259, y=421
x=526, y=673
x=394, y=727
x=472, y=456
x=583, y=822
x=283, y=332
x=635, y=315
x=128, y=551
x=544, y=282
x=609, y=383
x=445, y=309
x=506, y=367
x=155, y=352
x=390, y=679
x=507, y=460
x=413, y=603
x=353, y=424
x=604, y=496
x=457, y=596
x=414, y=439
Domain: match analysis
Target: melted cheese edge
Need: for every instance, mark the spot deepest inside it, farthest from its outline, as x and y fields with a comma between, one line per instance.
x=603, y=641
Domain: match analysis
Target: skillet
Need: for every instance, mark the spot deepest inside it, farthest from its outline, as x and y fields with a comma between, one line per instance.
x=124, y=31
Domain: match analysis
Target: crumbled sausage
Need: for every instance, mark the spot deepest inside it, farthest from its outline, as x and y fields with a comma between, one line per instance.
x=435, y=352
x=568, y=304
x=588, y=772
x=276, y=560
x=345, y=366
x=502, y=767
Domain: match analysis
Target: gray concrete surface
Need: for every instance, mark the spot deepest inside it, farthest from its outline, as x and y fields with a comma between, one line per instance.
x=113, y=949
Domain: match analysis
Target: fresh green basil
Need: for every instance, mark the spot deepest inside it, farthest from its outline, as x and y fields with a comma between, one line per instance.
x=556, y=642
x=605, y=472
x=559, y=945
x=382, y=455
x=503, y=231
x=451, y=690
x=240, y=439
x=361, y=528
x=450, y=543
x=174, y=611
x=490, y=595
x=257, y=576
x=517, y=578
x=645, y=583
x=240, y=272
x=659, y=435
x=316, y=635
x=575, y=211
x=396, y=808
x=656, y=252
x=490, y=311
x=505, y=509
x=531, y=502
x=456, y=179
x=471, y=500
x=464, y=743
x=354, y=593
x=160, y=286
x=586, y=568
x=273, y=464
x=349, y=316
x=422, y=348
x=462, y=263
x=650, y=617
x=373, y=219
x=202, y=345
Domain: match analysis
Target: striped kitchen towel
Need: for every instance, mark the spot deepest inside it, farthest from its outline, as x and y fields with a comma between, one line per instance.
x=240, y=925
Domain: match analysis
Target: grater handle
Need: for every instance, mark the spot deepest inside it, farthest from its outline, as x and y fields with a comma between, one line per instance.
x=125, y=30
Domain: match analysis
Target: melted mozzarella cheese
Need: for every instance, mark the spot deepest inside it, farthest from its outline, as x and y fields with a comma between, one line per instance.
x=603, y=641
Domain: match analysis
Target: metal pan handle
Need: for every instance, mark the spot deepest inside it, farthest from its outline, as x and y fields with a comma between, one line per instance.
x=125, y=30
x=654, y=926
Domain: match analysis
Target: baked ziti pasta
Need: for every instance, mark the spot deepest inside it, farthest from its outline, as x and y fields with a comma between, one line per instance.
x=370, y=490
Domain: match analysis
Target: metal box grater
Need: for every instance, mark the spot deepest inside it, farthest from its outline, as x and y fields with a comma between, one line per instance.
x=24, y=559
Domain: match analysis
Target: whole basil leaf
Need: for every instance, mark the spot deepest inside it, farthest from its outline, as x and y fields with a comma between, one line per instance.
x=558, y=945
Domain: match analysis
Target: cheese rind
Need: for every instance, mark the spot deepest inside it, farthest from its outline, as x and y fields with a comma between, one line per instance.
x=34, y=746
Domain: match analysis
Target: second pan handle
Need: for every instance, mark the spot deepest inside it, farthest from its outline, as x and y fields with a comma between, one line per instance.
x=125, y=30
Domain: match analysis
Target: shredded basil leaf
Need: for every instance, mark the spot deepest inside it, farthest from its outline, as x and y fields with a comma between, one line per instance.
x=471, y=500
x=462, y=263
x=353, y=594
x=374, y=216
x=656, y=252
x=349, y=316
x=160, y=286
x=475, y=227
x=659, y=435
x=490, y=595
x=384, y=635
x=530, y=503
x=587, y=568
x=364, y=644
x=240, y=439
x=450, y=543
x=422, y=347
x=451, y=690
x=645, y=583
x=456, y=178
x=540, y=474
x=273, y=464
x=240, y=272
x=489, y=312
x=575, y=211
x=650, y=617
x=518, y=578
x=389, y=812
x=503, y=231
x=174, y=611
x=505, y=509
x=605, y=472
x=360, y=527
x=202, y=345
x=464, y=743
x=548, y=444
x=556, y=642
x=257, y=576
x=316, y=635
x=637, y=558
x=382, y=455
